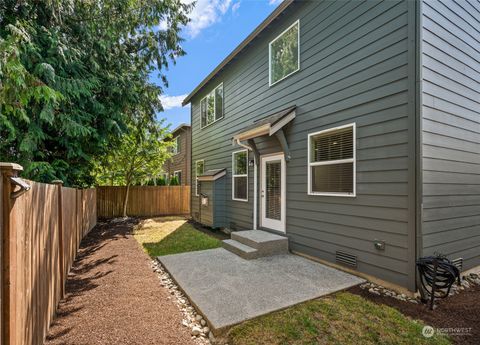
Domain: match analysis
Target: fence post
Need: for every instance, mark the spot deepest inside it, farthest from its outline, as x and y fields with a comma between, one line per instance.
x=9, y=252
x=61, y=255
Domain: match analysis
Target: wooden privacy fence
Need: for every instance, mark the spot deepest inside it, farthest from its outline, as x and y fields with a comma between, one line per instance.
x=41, y=233
x=143, y=201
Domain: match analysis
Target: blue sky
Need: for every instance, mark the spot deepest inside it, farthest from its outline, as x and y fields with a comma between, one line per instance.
x=216, y=28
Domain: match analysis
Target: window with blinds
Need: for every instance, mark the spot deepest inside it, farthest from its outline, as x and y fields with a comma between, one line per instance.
x=240, y=175
x=331, y=162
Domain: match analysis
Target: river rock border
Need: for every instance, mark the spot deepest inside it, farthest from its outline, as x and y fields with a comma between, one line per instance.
x=199, y=329
x=466, y=281
x=379, y=290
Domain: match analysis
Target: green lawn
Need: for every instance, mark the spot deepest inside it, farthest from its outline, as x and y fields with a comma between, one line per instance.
x=172, y=235
x=341, y=319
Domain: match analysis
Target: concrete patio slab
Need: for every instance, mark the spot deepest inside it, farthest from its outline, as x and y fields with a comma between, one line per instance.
x=228, y=290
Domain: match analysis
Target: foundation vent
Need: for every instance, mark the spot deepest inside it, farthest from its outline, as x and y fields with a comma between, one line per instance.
x=458, y=263
x=346, y=258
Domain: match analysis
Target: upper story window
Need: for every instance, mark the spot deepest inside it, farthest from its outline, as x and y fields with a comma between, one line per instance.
x=331, y=162
x=240, y=175
x=284, y=54
x=211, y=106
x=176, y=148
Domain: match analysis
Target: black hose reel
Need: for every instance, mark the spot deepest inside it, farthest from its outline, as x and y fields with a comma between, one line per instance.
x=437, y=275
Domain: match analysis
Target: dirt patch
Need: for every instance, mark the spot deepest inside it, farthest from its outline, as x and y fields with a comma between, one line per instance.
x=458, y=311
x=114, y=297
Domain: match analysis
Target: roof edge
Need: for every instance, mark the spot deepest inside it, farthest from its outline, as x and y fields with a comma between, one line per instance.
x=180, y=126
x=280, y=8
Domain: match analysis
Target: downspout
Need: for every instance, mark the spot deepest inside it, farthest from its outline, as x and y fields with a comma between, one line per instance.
x=255, y=168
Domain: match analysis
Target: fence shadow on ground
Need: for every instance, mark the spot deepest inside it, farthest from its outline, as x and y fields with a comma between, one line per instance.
x=86, y=272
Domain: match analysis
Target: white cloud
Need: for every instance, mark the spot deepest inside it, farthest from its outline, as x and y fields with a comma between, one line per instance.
x=235, y=6
x=163, y=25
x=205, y=14
x=170, y=102
x=274, y=2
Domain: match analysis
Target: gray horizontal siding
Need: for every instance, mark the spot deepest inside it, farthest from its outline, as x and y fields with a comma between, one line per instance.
x=451, y=129
x=354, y=68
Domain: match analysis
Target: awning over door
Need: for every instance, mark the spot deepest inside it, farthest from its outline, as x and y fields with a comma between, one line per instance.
x=267, y=126
x=270, y=125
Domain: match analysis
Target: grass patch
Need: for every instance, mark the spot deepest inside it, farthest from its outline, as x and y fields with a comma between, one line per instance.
x=342, y=318
x=171, y=235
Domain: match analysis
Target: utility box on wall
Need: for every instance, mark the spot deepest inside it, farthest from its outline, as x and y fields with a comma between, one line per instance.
x=212, y=198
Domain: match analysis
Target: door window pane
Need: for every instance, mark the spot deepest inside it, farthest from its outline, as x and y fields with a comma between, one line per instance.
x=273, y=192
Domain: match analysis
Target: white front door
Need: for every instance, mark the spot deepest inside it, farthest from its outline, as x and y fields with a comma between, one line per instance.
x=272, y=191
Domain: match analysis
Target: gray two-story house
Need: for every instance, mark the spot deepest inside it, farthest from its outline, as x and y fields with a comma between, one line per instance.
x=351, y=127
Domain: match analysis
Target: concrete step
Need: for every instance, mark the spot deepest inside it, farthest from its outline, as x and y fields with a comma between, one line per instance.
x=266, y=243
x=240, y=249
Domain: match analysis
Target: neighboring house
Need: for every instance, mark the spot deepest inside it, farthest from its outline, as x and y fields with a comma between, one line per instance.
x=180, y=162
x=359, y=121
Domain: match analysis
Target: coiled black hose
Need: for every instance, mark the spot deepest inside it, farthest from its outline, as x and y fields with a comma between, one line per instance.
x=437, y=275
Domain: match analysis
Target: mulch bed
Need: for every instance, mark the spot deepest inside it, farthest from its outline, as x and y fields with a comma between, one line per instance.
x=114, y=297
x=458, y=311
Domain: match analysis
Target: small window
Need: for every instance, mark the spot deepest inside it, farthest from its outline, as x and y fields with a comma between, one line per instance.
x=199, y=170
x=211, y=106
x=176, y=145
x=240, y=175
x=331, y=162
x=284, y=54
x=165, y=178
x=178, y=175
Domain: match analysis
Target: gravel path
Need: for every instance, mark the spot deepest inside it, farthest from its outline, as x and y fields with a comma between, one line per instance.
x=114, y=297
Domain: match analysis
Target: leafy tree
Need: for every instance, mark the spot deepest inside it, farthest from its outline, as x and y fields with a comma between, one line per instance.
x=161, y=182
x=138, y=157
x=74, y=74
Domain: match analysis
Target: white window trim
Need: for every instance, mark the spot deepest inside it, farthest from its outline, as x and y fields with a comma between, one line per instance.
x=166, y=178
x=175, y=151
x=338, y=161
x=175, y=174
x=270, y=54
x=196, y=177
x=241, y=175
x=214, y=107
